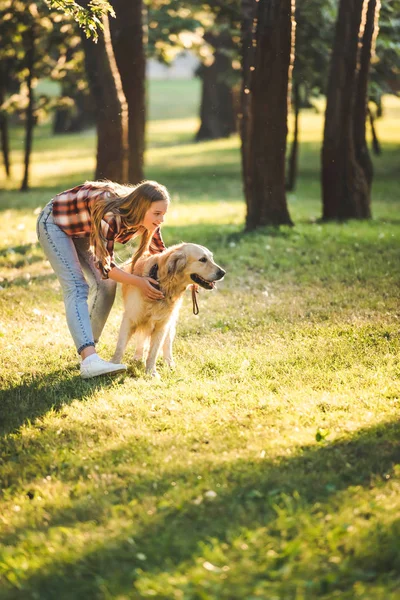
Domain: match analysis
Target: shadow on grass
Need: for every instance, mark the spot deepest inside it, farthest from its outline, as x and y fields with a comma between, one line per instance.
x=259, y=493
x=36, y=395
x=26, y=282
x=21, y=249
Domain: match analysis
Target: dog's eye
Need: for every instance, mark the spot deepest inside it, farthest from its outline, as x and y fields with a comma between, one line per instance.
x=203, y=259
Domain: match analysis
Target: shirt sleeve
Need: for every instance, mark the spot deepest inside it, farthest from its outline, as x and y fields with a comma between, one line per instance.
x=157, y=245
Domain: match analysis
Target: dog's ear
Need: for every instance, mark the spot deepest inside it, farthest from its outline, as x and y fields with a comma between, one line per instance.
x=176, y=262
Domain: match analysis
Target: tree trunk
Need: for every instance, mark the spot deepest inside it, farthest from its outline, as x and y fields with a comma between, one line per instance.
x=111, y=127
x=216, y=111
x=5, y=145
x=30, y=122
x=361, y=98
x=344, y=186
x=128, y=44
x=294, y=150
x=265, y=112
x=249, y=8
x=376, y=146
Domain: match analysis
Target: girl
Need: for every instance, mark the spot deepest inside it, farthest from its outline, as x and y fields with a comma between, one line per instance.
x=77, y=231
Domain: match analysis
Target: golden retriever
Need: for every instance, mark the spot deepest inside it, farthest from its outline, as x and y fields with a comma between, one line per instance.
x=154, y=322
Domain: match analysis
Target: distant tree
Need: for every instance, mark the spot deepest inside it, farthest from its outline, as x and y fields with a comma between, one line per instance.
x=6, y=67
x=128, y=44
x=74, y=110
x=345, y=188
x=217, y=116
x=292, y=165
x=267, y=45
x=212, y=31
x=109, y=104
x=385, y=66
x=11, y=65
x=219, y=71
x=168, y=23
x=110, y=108
x=32, y=49
x=27, y=53
x=314, y=21
x=360, y=110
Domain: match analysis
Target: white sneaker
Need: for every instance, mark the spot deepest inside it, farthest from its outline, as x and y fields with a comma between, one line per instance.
x=93, y=366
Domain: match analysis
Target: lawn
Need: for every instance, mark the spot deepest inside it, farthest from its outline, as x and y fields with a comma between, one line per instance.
x=267, y=465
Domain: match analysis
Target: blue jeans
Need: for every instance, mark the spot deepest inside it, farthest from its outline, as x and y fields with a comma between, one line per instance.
x=88, y=301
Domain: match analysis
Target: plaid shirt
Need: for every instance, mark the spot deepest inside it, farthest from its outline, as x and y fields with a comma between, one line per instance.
x=72, y=213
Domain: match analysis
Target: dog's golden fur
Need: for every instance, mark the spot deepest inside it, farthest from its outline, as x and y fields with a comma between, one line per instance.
x=154, y=322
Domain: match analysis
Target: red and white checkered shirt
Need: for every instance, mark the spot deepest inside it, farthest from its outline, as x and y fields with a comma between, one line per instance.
x=72, y=213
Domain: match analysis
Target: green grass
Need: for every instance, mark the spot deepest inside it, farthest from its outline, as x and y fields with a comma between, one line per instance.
x=266, y=466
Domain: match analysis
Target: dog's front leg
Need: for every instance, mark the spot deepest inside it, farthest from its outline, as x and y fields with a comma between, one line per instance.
x=156, y=341
x=167, y=346
x=125, y=333
x=142, y=339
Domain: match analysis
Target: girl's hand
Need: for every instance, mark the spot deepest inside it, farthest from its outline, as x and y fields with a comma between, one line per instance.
x=148, y=291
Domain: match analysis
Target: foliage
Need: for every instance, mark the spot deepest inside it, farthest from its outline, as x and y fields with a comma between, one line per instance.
x=385, y=67
x=315, y=20
x=172, y=27
x=195, y=26
x=55, y=37
x=89, y=19
x=266, y=465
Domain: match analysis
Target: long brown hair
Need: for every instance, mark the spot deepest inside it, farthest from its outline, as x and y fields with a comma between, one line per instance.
x=130, y=203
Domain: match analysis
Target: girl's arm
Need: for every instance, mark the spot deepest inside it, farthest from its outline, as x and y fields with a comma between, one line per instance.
x=143, y=283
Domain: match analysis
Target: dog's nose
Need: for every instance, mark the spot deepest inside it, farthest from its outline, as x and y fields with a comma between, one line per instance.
x=221, y=273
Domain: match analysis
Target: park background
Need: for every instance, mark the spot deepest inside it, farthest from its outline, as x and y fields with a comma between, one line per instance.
x=267, y=464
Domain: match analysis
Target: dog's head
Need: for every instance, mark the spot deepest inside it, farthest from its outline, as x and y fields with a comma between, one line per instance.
x=195, y=264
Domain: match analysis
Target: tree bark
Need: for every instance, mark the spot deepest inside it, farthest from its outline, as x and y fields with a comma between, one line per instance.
x=344, y=186
x=361, y=98
x=30, y=122
x=216, y=110
x=294, y=150
x=111, y=127
x=127, y=38
x=266, y=83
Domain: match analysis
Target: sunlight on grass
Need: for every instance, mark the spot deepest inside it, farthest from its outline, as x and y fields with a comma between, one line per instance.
x=266, y=465
x=172, y=127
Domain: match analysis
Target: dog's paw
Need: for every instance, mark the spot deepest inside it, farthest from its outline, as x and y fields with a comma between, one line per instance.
x=170, y=363
x=138, y=358
x=154, y=374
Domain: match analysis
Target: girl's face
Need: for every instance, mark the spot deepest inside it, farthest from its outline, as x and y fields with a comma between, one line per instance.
x=154, y=217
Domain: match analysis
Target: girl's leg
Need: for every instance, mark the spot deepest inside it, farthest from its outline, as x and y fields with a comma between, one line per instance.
x=101, y=291
x=60, y=250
